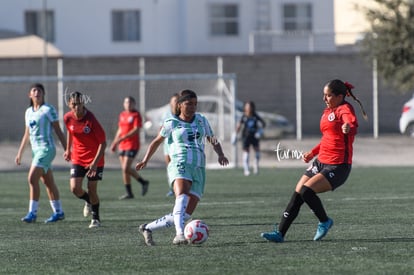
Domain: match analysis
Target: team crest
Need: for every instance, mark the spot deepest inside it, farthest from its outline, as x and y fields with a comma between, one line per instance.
x=331, y=116
x=86, y=129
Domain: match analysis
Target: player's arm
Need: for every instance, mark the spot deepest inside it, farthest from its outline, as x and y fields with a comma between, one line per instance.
x=94, y=164
x=131, y=133
x=67, y=154
x=261, y=121
x=59, y=133
x=152, y=148
x=308, y=156
x=219, y=151
x=23, y=143
x=349, y=125
x=234, y=135
x=116, y=140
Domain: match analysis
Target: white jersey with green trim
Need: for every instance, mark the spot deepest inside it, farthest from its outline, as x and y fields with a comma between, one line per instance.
x=187, y=139
x=40, y=126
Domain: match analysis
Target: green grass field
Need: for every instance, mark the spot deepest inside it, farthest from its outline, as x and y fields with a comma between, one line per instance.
x=373, y=231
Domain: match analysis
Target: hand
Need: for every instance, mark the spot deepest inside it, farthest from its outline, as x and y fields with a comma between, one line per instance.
x=308, y=157
x=140, y=165
x=345, y=128
x=113, y=147
x=223, y=160
x=259, y=134
x=17, y=160
x=92, y=171
x=66, y=155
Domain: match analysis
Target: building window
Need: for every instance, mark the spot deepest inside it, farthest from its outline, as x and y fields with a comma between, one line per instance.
x=297, y=17
x=126, y=25
x=224, y=19
x=38, y=24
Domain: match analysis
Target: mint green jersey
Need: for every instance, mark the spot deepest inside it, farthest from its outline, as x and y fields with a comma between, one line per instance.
x=40, y=126
x=187, y=139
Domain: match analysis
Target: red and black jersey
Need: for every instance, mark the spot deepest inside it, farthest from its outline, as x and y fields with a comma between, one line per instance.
x=87, y=134
x=336, y=147
x=128, y=121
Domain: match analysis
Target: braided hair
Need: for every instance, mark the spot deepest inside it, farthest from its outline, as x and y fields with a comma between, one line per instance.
x=338, y=87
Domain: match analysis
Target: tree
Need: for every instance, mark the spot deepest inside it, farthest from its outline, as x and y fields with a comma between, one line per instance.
x=391, y=41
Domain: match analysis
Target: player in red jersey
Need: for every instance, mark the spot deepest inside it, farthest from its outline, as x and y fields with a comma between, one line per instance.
x=86, y=143
x=127, y=140
x=331, y=168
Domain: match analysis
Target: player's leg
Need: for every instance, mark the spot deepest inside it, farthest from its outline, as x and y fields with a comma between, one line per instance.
x=126, y=176
x=34, y=193
x=288, y=216
x=54, y=197
x=94, y=201
x=256, y=148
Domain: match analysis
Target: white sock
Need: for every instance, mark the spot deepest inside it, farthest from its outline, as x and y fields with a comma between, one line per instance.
x=56, y=206
x=33, y=206
x=256, y=164
x=164, y=222
x=246, y=161
x=180, y=205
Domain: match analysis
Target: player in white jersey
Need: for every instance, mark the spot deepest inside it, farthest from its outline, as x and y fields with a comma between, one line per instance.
x=188, y=132
x=40, y=119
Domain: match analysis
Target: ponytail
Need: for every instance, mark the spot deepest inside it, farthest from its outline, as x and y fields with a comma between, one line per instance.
x=349, y=88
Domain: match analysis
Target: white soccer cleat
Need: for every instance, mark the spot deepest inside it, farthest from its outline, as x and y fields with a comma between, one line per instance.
x=95, y=223
x=147, y=234
x=180, y=239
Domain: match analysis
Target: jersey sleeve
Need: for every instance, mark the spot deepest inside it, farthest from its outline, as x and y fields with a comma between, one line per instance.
x=52, y=114
x=348, y=116
x=261, y=121
x=209, y=131
x=166, y=128
x=98, y=130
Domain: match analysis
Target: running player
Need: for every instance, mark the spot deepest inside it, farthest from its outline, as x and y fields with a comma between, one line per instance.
x=188, y=131
x=331, y=168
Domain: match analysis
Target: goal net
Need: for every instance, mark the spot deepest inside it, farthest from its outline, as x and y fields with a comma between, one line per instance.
x=104, y=95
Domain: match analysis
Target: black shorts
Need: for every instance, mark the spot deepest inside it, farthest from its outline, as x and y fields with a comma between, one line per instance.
x=336, y=174
x=128, y=153
x=250, y=140
x=78, y=171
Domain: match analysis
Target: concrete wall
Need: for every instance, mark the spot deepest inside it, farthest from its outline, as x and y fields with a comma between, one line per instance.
x=269, y=80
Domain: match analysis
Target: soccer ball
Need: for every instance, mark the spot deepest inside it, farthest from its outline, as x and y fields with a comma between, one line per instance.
x=196, y=232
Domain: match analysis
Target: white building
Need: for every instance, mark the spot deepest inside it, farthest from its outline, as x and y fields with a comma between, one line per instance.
x=175, y=27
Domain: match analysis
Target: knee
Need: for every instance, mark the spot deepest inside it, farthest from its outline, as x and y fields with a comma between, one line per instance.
x=305, y=192
x=76, y=191
x=125, y=169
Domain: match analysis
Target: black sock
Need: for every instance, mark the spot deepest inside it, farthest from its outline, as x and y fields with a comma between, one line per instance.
x=85, y=197
x=128, y=189
x=95, y=211
x=291, y=212
x=314, y=203
x=141, y=180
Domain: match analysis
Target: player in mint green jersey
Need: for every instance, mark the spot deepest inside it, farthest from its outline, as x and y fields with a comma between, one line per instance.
x=188, y=132
x=40, y=119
